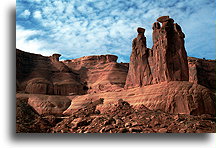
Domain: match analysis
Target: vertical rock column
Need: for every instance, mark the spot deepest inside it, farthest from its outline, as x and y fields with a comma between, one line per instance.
x=170, y=57
x=139, y=73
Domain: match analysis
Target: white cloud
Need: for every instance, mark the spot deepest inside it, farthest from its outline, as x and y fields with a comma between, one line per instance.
x=37, y=14
x=34, y=45
x=26, y=13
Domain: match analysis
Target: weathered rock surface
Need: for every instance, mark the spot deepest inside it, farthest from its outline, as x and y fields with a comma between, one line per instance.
x=163, y=19
x=49, y=105
x=158, y=91
x=139, y=73
x=122, y=118
x=41, y=75
x=202, y=72
x=27, y=119
x=169, y=55
x=166, y=61
x=47, y=75
x=100, y=73
x=174, y=97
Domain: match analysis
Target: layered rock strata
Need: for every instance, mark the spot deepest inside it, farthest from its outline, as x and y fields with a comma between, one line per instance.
x=37, y=74
x=173, y=97
x=202, y=72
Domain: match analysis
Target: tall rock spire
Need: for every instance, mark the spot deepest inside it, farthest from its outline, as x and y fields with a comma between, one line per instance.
x=170, y=57
x=166, y=61
x=139, y=73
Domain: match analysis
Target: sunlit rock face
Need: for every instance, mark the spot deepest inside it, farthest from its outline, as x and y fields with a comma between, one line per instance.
x=166, y=61
x=169, y=54
x=139, y=73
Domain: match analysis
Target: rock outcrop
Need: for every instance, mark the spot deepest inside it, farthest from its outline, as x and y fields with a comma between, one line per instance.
x=166, y=61
x=45, y=75
x=49, y=105
x=172, y=97
x=100, y=73
x=124, y=118
x=202, y=72
x=55, y=57
x=170, y=57
x=38, y=74
x=139, y=73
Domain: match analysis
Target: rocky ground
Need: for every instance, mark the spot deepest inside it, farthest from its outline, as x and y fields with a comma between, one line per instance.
x=122, y=118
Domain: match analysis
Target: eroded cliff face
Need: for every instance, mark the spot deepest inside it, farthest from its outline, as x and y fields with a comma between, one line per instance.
x=100, y=73
x=202, y=72
x=37, y=74
x=174, y=97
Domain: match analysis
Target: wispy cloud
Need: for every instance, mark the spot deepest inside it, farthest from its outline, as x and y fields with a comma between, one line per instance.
x=26, y=13
x=26, y=39
x=77, y=28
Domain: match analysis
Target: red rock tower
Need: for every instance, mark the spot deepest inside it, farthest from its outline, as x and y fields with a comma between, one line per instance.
x=139, y=73
x=166, y=61
x=170, y=57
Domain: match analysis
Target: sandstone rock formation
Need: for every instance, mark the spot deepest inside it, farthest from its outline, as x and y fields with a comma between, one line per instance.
x=100, y=73
x=49, y=105
x=55, y=57
x=166, y=61
x=47, y=75
x=41, y=75
x=202, y=72
x=169, y=53
x=27, y=120
x=139, y=73
x=123, y=118
x=173, y=97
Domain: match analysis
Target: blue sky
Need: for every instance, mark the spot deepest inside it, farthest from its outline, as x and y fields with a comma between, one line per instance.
x=76, y=28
